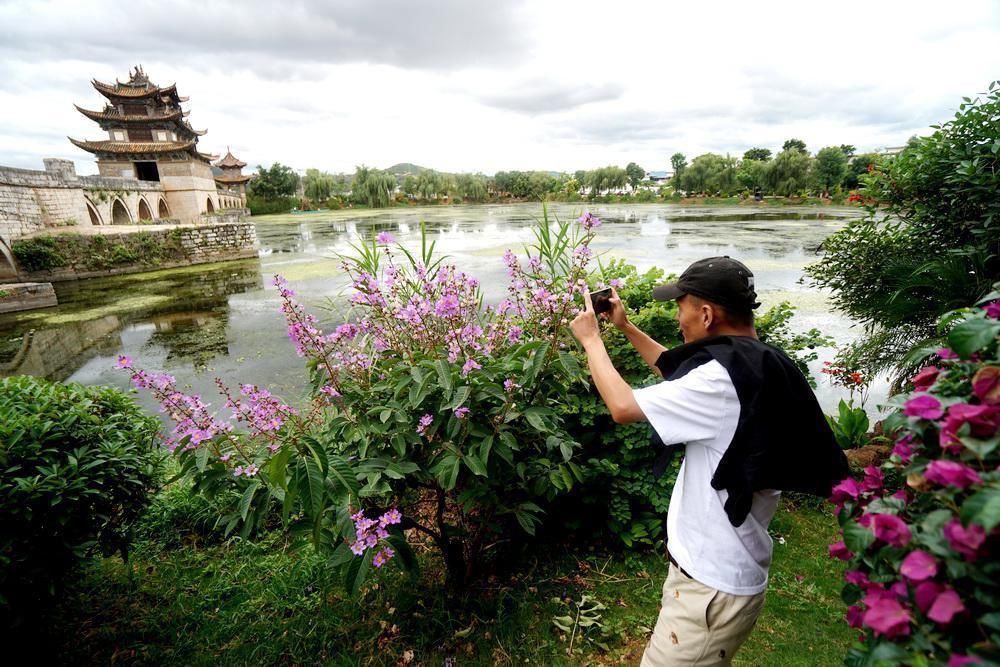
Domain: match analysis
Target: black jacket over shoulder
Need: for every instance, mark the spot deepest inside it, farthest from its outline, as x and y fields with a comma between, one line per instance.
x=782, y=439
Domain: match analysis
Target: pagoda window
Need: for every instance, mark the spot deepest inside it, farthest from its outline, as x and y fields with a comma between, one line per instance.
x=146, y=171
x=140, y=134
x=136, y=110
x=118, y=135
x=161, y=135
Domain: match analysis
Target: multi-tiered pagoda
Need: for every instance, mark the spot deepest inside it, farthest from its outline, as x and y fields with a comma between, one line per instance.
x=232, y=180
x=150, y=139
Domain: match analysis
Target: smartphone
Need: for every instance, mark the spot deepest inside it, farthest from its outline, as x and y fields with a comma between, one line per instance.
x=601, y=300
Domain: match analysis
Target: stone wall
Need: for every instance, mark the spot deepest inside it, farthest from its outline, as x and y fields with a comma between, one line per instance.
x=91, y=256
x=32, y=200
x=25, y=296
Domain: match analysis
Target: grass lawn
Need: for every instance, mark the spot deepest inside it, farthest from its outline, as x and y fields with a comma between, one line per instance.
x=262, y=603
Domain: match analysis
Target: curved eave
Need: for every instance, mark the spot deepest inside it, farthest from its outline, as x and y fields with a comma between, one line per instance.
x=134, y=92
x=134, y=147
x=208, y=157
x=101, y=116
x=232, y=180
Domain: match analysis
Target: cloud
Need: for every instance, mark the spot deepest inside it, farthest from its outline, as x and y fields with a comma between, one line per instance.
x=268, y=37
x=540, y=97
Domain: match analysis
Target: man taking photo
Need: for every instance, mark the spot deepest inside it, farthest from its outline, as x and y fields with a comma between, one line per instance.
x=750, y=427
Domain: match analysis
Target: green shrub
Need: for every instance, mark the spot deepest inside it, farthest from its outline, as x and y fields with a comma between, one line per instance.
x=259, y=206
x=78, y=463
x=923, y=583
x=929, y=243
x=38, y=254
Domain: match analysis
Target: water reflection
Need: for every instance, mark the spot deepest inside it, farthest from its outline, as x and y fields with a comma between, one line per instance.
x=223, y=320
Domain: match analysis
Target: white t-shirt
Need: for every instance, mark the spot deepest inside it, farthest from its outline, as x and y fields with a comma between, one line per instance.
x=702, y=410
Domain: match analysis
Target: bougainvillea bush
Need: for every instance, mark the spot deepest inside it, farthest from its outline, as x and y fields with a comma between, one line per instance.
x=923, y=578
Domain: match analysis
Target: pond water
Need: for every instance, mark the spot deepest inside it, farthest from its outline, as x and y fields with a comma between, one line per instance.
x=223, y=319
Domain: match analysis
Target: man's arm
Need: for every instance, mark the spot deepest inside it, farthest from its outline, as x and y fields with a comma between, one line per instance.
x=614, y=391
x=648, y=348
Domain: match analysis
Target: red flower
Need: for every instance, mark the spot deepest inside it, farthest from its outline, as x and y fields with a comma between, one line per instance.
x=952, y=473
x=924, y=380
x=888, y=618
x=965, y=541
x=887, y=527
x=840, y=551
x=986, y=385
x=918, y=565
x=983, y=421
x=945, y=607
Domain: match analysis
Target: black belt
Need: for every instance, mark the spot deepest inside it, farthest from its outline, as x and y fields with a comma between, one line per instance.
x=679, y=568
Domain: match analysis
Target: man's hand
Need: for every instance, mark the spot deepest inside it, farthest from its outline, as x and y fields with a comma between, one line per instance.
x=617, y=314
x=584, y=326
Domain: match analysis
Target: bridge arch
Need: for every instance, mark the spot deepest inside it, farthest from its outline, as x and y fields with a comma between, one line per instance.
x=95, y=214
x=119, y=213
x=144, y=211
x=163, y=210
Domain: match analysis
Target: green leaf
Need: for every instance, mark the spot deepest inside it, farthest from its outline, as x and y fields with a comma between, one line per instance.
x=460, y=397
x=357, y=571
x=314, y=480
x=534, y=417
x=536, y=365
x=342, y=554
x=570, y=365
x=443, y=369
x=247, y=498
x=475, y=465
x=982, y=508
x=277, y=468
x=857, y=538
x=973, y=335
x=344, y=473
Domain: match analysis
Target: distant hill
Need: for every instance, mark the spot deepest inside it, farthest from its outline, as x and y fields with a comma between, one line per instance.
x=406, y=168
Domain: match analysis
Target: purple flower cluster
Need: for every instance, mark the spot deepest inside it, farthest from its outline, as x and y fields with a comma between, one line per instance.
x=368, y=533
x=194, y=424
x=944, y=450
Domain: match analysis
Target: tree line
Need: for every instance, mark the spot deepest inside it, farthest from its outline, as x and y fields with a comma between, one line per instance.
x=793, y=171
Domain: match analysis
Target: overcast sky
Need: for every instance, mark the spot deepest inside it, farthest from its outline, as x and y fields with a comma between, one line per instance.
x=471, y=85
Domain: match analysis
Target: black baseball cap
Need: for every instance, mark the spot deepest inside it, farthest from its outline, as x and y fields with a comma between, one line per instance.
x=721, y=280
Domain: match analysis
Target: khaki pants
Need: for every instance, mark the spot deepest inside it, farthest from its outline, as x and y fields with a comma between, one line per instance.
x=699, y=625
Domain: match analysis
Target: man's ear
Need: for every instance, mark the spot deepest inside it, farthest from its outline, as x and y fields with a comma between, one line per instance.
x=707, y=315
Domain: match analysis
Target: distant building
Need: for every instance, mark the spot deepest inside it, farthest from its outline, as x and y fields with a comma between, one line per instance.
x=892, y=150
x=659, y=176
x=232, y=180
x=149, y=139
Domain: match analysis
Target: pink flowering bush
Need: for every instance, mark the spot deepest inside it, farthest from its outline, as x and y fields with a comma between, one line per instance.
x=923, y=578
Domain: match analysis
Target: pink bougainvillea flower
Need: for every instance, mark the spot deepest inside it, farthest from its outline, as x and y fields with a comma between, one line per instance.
x=946, y=353
x=983, y=421
x=993, y=310
x=848, y=489
x=965, y=541
x=877, y=592
x=918, y=566
x=986, y=385
x=923, y=407
x=840, y=551
x=923, y=380
x=854, y=616
x=959, y=660
x=925, y=593
x=945, y=607
x=951, y=473
x=888, y=618
x=856, y=577
x=874, y=478
x=887, y=527
x=903, y=448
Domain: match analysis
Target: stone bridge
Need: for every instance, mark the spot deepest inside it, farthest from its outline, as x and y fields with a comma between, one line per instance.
x=32, y=201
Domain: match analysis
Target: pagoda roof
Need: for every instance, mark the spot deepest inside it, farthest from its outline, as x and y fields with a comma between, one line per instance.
x=142, y=147
x=230, y=161
x=137, y=91
x=112, y=114
x=197, y=133
x=236, y=178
